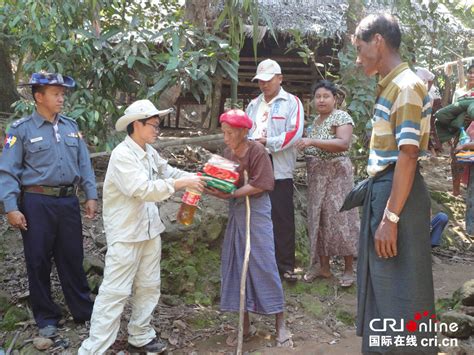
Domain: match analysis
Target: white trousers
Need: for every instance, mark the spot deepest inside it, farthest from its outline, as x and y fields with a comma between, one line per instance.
x=130, y=269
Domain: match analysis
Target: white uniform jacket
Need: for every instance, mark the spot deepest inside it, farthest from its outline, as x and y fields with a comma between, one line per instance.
x=134, y=181
x=285, y=127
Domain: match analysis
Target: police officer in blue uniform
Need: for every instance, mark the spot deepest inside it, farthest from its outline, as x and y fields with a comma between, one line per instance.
x=44, y=161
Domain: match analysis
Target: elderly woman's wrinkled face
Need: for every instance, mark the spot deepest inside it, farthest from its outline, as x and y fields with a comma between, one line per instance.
x=233, y=137
x=324, y=101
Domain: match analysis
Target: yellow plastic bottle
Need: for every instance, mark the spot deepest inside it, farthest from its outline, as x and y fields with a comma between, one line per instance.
x=188, y=207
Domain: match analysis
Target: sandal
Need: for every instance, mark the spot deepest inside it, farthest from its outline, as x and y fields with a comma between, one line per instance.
x=289, y=276
x=346, y=281
x=312, y=275
x=285, y=343
x=232, y=339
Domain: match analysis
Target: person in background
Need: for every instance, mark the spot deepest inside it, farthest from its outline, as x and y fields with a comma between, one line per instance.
x=470, y=183
x=330, y=178
x=468, y=89
x=278, y=122
x=137, y=177
x=460, y=113
x=434, y=144
x=426, y=76
x=394, y=273
x=264, y=291
x=438, y=223
x=43, y=163
x=464, y=97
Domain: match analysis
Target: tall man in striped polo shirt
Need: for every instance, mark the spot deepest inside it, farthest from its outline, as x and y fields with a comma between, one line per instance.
x=394, y=276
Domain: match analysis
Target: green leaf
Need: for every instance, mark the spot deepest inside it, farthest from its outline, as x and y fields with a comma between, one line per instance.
x=221, y=18
x=131, y=61
x=15, y=20
x=160, y=85
x=86, y=34
x=175, y=45
x=230, y=69
x=97, y=44
x=172, y=64
x=143, y=60
x=110, y=33
x=77, y=112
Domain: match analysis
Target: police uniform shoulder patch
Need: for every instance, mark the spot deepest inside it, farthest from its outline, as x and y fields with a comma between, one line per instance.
x=10, y=140
x=20, y=121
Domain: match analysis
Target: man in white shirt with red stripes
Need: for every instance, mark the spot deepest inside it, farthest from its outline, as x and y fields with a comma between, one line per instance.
x=278, y=119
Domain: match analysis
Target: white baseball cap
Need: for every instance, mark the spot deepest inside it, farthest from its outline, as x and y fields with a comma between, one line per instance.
x=267, y=69
x=424, y=74
x=139, y=110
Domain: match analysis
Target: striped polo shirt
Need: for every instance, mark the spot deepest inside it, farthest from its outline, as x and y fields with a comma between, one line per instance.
x=401, y=116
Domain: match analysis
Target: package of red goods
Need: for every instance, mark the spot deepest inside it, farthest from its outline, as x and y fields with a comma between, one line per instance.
x=220, y=173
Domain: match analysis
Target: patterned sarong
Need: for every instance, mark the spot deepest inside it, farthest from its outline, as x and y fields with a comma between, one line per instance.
x=330, y=232
x=264, y=291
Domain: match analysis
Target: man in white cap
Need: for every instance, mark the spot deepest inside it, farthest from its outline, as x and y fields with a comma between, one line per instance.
x=278, y=120
x=136, y=178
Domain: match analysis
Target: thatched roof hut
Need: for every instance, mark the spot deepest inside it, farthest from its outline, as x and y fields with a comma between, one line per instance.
x=312, y=18
x=323, y=25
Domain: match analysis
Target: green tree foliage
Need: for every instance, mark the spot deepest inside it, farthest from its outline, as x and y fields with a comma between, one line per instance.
x=236, y=14
x=435, y=32
x=116, y=50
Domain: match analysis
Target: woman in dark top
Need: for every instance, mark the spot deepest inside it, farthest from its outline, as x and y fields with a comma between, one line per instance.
x=264, y=291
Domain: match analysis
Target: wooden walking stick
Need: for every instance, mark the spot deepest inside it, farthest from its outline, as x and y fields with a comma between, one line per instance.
x=243, y=278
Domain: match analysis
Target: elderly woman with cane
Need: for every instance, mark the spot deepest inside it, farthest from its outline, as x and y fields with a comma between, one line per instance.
x=264, y=291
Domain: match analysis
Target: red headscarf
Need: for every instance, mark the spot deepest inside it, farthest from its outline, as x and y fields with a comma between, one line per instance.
x=236, y=118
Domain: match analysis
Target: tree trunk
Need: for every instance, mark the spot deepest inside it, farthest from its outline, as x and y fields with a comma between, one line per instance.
x=354, y=14
x=448, y=91
x=7, y=82
x=216, y=102
x=233, y=93
x=201, y=13
x=169, y=97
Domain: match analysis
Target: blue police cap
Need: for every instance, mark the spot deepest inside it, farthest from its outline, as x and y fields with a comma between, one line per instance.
x=43, y=78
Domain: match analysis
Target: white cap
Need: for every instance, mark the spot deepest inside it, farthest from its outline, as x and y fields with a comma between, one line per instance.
x=267, y=69
x=424, y=74
x=139, y=110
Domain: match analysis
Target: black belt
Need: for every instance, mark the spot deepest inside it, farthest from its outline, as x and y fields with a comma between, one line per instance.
x=56, y=191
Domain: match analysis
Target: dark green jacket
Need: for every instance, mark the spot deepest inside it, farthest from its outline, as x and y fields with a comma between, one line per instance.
x=451, y=118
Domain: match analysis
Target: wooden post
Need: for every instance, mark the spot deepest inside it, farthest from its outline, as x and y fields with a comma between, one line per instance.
x=243, y=277
x=456, y=168
x=178, y=112
x=470, y=202
x=12, y=344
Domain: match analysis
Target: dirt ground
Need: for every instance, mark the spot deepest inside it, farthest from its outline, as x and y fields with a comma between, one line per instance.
x=320, y=315
x=314, y=338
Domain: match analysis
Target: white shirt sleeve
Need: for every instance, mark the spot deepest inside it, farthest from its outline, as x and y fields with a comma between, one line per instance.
x=133, y=180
